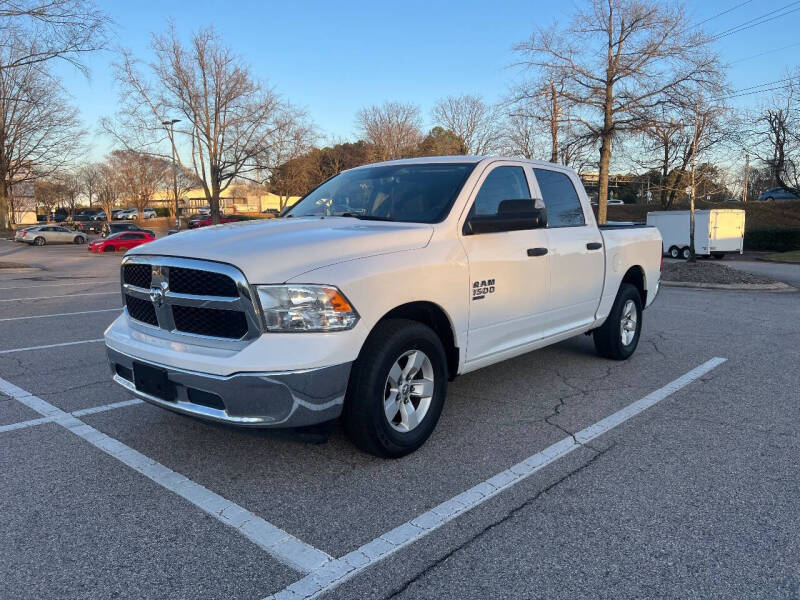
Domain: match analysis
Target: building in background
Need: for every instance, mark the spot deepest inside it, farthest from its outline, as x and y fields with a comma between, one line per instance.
x=235, y=199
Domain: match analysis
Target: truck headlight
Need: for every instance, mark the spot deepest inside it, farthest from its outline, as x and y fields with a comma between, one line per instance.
x=305, y=308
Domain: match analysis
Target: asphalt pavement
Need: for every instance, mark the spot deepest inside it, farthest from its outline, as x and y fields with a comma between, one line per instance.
x=692, y=493
x=785, y=272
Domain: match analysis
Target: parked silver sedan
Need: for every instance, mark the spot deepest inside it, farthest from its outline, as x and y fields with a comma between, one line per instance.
x=50, y=234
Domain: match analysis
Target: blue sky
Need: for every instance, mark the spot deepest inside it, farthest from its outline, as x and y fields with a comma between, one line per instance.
x=335, y=57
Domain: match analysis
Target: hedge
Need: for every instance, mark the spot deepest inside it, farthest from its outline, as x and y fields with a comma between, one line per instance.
x=772, y=239
x=162, y=211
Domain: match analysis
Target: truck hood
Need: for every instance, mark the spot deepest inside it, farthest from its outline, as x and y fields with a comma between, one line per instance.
x=276, y=250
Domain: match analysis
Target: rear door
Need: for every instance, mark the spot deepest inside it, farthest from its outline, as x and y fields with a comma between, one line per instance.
x=577, y=258
x=509, y=270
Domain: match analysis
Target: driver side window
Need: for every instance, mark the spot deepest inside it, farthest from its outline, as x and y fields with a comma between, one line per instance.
x=503, y=183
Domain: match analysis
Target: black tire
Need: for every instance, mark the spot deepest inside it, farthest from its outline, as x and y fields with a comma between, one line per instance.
x=109, y=249
x=364, y=417
x=608, y=338
x=39, y=241
x=718, y=255
x=79, y=239
x=769, y=199
x=686, y=253
x=674, y=252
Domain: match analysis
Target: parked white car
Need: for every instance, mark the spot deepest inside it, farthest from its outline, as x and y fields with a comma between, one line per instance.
x=49, y=234
x=133, y=213
x=373, y=291
x=717, y=231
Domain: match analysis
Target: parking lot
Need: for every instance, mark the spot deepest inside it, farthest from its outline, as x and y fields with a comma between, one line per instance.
x=553, y=475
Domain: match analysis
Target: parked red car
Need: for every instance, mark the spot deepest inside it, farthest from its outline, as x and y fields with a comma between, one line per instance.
x=121, y=242
x=206, y=221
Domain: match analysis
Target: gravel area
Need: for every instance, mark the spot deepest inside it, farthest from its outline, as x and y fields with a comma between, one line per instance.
x=11, y=265
x=708, y=272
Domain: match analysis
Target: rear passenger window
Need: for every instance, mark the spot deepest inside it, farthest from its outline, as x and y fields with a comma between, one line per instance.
x=560, y=198
x=503, y=183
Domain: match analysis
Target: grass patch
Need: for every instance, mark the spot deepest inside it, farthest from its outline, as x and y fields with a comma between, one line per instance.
x=784, y=257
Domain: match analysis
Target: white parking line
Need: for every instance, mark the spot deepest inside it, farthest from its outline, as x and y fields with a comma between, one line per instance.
x=275, y=541
x=69, y=314
x=51, y=346
x=41, y=285
x=61, y=296
x=336, y=572
x=75, y=413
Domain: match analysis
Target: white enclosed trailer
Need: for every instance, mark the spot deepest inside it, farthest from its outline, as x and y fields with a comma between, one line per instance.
x=716, y=231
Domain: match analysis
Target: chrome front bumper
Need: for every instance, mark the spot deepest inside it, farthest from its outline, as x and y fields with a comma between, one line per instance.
x=284, y=399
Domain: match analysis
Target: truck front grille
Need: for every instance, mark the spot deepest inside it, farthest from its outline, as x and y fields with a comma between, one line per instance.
x=202, y=283
x=187, y=296
x=141, y=310
x=137, y=274
x=207, y=321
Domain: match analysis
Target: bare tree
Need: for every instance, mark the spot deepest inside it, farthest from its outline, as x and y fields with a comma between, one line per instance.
x=229, y=121
x=678, y=134
x=617, y=59
x=393, y=129
x=40, y=132
x=471, y=119
x=108, y=188
x=139, y=176
x=521, y=137
x=775, y=136
x=72, y=188
x=51, y=29
x=89, y=175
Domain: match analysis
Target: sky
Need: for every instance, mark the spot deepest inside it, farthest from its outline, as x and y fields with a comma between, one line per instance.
x=333, y=58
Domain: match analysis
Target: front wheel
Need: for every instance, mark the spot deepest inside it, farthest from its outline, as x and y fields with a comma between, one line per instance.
x=618, y=337
x=79, y=239
x=674, y=252
x=397, y=389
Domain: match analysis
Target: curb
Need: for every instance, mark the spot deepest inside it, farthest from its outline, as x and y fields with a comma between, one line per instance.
x=14, y=270
x=770, y=287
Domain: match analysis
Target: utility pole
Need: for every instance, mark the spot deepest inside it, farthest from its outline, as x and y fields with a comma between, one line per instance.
x=692, y=198
x=746, y=177
x=555, y=113
x=170, y=127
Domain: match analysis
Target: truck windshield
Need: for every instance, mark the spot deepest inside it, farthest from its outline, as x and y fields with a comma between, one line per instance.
x=417, y=193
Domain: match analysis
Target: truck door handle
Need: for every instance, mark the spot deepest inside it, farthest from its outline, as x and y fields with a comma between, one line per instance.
x=537, y=251
x=594, y=246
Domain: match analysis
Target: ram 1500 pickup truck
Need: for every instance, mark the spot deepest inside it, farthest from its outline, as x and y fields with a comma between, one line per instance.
x=373, y=291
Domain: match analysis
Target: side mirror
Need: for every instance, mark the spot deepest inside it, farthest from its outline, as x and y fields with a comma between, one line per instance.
x=512, y=215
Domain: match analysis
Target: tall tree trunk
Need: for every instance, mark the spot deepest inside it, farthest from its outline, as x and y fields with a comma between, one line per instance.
x=608, y=128
x=664, y=175
x=553, y=123
x=5, y=204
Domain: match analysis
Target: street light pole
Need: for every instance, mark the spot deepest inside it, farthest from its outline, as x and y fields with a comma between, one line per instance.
x=170, y=125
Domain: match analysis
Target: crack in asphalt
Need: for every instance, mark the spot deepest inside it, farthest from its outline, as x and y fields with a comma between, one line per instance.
x=493, y=525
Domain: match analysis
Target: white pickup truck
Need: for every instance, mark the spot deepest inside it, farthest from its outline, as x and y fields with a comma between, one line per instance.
x=373, y=291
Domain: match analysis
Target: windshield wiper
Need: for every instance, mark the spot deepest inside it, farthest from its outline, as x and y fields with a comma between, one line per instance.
x=365, y=217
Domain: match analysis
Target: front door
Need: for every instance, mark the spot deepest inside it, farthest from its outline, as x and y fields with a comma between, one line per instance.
x=509, y=270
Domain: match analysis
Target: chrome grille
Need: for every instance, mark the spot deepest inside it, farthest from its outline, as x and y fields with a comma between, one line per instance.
x=205, y=283
x=188, y=297
x=137, y=274
x=141, y=310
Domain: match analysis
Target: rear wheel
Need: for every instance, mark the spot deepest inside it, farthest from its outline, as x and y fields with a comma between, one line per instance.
x=674, y=252
x=686, y=252
x=619, y=335
x=39, y=241
x=397, y=389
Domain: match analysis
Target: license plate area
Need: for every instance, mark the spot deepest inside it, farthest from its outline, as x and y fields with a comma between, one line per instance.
x=153, y=381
